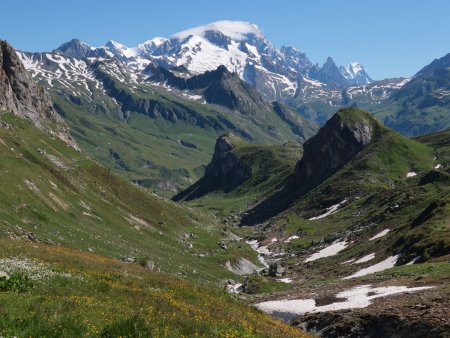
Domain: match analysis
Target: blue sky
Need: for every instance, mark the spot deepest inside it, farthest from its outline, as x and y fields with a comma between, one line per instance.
x=389, y=37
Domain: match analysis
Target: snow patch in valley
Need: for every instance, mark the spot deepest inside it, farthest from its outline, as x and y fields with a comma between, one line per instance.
x=285, y=280
x=193, y=97
x=291, y=238
x=330, y=250
x=330, y=210
x=355, y=298
x=365, y=259
x=383, y=265
x=413, y=261
x=380, y=234
x=348, y=262
x=411, y=174
x=261, y=250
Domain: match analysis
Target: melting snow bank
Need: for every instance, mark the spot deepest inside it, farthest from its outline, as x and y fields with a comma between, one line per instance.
x=291, y=238
x=260, y=250
x=411, y=174
x=384, y=265
x=330, y=250
x=330, y=210
x=285, y=280
x=380, y=234
x=358, y=297
x=365, y=259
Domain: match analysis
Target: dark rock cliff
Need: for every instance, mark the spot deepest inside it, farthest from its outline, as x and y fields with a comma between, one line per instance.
x=224, y=172
x=225, y=165
x=20, y=95
x=336, y=143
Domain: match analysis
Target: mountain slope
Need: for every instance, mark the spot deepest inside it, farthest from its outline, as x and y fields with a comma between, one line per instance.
x=423, y=104
x=53, y=194
x=317, y=101
x=155, y=135
x=373, y=213
x=379, y=158
x=61, y=215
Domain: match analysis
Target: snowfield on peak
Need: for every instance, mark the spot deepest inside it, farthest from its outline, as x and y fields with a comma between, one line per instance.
x=352, y=69
x=236, y=30
x=119, y=48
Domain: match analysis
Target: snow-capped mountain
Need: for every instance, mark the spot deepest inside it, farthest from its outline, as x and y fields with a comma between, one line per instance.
x=240, y=46
x=283, y=74
x=355, y=71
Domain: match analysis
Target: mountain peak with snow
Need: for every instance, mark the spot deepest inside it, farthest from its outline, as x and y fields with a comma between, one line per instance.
x=240, y=46
x=356, y=72
x=119, y=49
x=236, y=30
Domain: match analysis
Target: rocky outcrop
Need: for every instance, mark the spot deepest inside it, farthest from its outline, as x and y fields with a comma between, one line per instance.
x=224, y=172
x=20, y=95
x=225, y=164
x=336, y=143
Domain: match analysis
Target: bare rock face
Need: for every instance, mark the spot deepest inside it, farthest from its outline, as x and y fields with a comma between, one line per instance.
x=336, y=143
x=20, y=95
x=225, y=165
x=224, y=172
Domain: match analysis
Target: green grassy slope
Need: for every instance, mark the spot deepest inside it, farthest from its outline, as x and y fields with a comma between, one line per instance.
x=54, y=291
x=66, y=223
x=440, y=142
x=378, y=196
x=53, y=194
x=383, y=163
